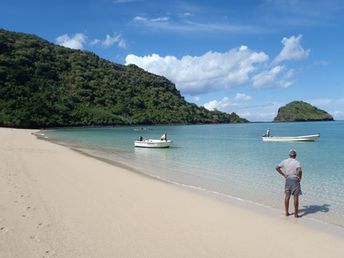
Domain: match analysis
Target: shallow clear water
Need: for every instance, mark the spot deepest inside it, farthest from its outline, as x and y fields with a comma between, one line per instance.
x=231, y=159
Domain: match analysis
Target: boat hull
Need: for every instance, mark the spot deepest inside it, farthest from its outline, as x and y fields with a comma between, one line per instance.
x=151, y=143
x=305, y=138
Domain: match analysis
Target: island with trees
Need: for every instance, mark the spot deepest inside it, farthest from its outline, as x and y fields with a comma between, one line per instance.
x=301, y=111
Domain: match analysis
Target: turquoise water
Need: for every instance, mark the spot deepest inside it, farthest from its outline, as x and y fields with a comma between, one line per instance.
x=231, y=159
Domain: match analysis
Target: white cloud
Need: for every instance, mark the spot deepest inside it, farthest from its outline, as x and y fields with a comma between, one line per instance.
x=140, y=19
x=340, y=101
x=216, y=71
x=262, y=116
x=95, y=42
x=338, y=114
x=160, y=19
x=252, y=112
x=246, y=114
x=257, y=116
x=110, y=40
x=219, y=105
x=326, y=101
x=150, y=21
x=321, y=102
x=225, y=103
x=289, y=74
x=187, y=14
x=118, y=39
x=199, y=74
x=275, y=77
x=242, y=97
x=80, y=40
x=187, y=26
x=292, y=50
x=196, y=98
x=260, y=112
x=75, y=42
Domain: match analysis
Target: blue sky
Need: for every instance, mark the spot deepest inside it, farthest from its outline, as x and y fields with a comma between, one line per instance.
x=250, y=57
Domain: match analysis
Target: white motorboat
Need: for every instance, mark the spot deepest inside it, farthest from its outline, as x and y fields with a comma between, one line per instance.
x=304, y=138
x=152, y=143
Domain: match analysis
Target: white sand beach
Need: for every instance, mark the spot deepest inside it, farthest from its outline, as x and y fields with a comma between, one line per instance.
x=56, y=202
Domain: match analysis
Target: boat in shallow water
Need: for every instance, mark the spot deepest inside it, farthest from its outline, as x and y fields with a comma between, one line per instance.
x=152, y=143
x=304, y=138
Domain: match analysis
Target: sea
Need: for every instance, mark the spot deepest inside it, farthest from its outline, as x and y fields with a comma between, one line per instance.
x=229, y=160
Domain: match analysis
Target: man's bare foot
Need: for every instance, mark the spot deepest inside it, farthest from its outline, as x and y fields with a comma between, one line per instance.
x=297, y=216
x=287, y=214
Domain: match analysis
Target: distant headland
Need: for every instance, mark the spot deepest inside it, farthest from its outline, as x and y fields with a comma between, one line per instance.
x=297, y=111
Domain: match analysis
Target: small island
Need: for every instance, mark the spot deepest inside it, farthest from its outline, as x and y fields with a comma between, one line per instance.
x=298, y=111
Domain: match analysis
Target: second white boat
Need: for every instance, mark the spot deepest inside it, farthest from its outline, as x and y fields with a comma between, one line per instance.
x=304, y=138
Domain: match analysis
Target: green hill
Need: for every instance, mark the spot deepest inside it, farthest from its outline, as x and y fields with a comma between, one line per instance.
x=45, y=85
x=301, y=111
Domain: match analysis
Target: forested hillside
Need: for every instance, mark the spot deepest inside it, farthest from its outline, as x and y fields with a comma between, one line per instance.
x=45, y=85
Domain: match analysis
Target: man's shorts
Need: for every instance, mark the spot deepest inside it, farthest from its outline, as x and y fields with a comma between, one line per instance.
x=292, y=186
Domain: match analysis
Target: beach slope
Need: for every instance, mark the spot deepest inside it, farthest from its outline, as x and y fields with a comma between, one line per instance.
x=56, y=202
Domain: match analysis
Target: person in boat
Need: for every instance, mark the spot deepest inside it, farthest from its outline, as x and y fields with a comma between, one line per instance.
x=140, y=138
x=267, y=134
x=291, y=170
x=163, y=137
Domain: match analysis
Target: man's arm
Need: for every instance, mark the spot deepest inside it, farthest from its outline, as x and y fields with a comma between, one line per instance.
x=299, y=173
x=279, y=170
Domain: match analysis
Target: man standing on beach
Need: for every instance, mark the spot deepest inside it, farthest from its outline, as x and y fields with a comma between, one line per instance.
x=291, y=170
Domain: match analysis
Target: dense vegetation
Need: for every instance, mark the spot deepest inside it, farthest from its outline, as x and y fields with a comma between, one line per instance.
x=301, y=111
x=44, y=85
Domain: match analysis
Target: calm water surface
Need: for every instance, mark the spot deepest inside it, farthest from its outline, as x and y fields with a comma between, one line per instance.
x=231, y=159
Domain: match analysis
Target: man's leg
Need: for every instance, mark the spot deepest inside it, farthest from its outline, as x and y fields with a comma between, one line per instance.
x=286, y=204
x=296, y=206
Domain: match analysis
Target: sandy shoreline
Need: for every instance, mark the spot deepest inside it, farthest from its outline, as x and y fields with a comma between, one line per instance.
x=55, y=202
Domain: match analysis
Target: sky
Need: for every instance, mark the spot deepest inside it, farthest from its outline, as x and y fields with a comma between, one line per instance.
x=250, y=56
